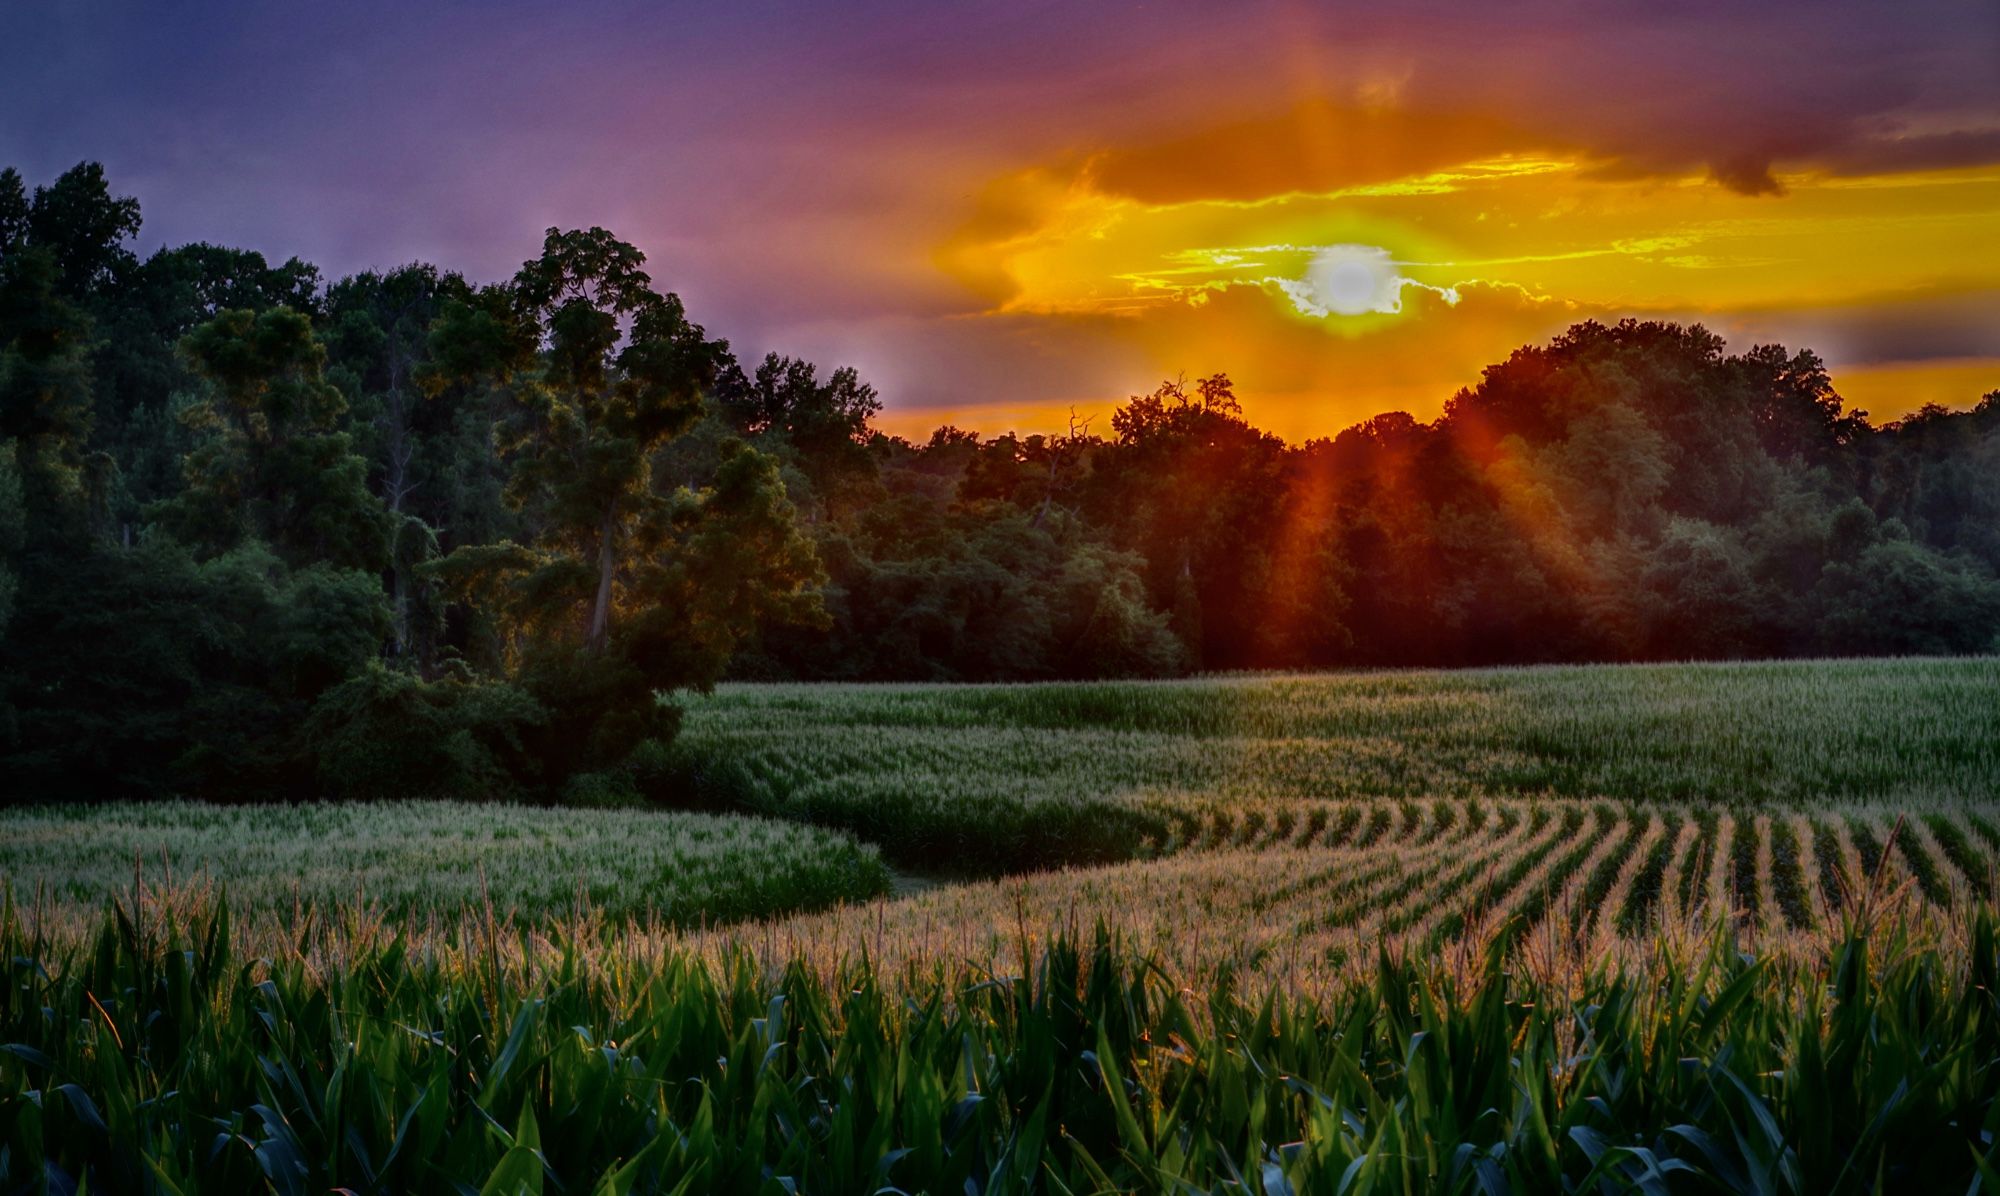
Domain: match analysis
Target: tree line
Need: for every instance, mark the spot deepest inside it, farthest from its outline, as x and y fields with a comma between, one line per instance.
x=402, y=533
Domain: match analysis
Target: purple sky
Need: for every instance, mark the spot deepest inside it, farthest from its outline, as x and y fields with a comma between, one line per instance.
x=793, y=168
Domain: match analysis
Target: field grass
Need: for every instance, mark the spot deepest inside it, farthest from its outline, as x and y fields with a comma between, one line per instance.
x=156, y=1058
x=987, y=780
x=1664, y=929
x=419, y=858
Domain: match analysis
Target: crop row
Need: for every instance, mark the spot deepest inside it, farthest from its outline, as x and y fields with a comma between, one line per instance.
x=975, y=781
x=1305, y=890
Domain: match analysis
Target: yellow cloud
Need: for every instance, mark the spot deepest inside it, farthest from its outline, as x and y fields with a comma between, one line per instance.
x=1218, y=252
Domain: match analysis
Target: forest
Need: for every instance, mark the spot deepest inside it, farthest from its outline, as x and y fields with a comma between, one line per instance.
x=265, y=534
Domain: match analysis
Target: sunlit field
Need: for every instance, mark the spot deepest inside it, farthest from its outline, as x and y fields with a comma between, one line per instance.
x=1680, y=928
x=992, y=779
x=424, y=859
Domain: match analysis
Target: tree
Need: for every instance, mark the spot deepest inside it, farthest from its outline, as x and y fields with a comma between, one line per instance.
x=620, y=592
x=1198, y=492
x=1794, y=406
x=272, y=462
x=14, y=210
x=81, y=225
x=589, y=408
x=45, y=390
x=428, y=448
x=822, y=425
x=1897, y=596
x=378, y=336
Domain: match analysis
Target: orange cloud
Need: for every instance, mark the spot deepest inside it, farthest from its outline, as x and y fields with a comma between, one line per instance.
x=1317, y=145
x=1223, y=249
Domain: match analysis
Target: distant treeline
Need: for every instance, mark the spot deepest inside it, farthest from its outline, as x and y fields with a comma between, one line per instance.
x=402, y=534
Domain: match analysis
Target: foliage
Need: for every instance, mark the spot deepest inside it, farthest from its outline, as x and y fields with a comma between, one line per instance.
x=270, y=462
x=158, y=1056
x=623, y=593
x=982, y=591
x=560, y=489
x=384, y=734
x=821, y=426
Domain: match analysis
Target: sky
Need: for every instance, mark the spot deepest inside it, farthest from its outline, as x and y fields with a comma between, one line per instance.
x=1001, y=213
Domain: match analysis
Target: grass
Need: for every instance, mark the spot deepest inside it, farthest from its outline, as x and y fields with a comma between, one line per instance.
x=1663, y=928
x=157, y=1058
x=985, y=780
x=409, y=859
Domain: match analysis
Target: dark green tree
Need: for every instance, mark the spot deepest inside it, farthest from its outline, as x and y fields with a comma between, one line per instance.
x=79, y=223
x=821, y=426
x=272, y=462
x=621, y=593
x=429, y=448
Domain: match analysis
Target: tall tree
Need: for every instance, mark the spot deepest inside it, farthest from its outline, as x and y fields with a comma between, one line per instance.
x=620, y=370
x=45, y=376
x=81, y=225
x=429, y=449
x=822, y=426
x=273, y=462
x=622, y=592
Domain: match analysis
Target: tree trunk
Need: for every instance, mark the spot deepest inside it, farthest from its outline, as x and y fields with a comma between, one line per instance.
x=400, y=615
x=600, y=611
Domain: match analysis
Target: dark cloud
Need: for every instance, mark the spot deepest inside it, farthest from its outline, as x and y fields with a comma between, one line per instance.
x=1880, y=329
x=1746, y=176
x=1936, y=151
x=1739, y=92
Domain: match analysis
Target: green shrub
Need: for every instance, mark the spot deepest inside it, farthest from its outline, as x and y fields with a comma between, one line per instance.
x=606, y=790
x=386, y=734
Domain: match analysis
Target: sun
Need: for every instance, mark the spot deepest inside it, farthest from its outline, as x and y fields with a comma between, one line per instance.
x=1350, y=283
x=1350, y=280
x=1353, y=280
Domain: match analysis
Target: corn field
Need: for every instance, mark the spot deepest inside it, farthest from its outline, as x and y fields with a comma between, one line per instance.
x=415, y=859
x=993, y=780
x=1306, y=897
x=155, y=1057
x=1714, y=928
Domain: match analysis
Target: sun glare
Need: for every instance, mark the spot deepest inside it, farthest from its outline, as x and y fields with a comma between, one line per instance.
x=1353, y=280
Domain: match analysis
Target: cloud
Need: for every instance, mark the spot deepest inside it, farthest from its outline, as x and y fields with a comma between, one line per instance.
x=1742, y=95
x=1316, y=144
x=1871, y=155
x=1879, y=329
x=1746, y=176
x=799, y=170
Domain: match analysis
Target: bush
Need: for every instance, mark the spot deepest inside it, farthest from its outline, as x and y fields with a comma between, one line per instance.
x=384, y=734
x=610, y=789
x=600, y=707
x=674, y=775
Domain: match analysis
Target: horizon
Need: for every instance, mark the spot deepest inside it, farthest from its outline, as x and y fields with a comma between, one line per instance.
x=998, y=216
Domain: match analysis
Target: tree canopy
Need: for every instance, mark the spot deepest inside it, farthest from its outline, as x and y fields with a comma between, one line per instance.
x=266, y=535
